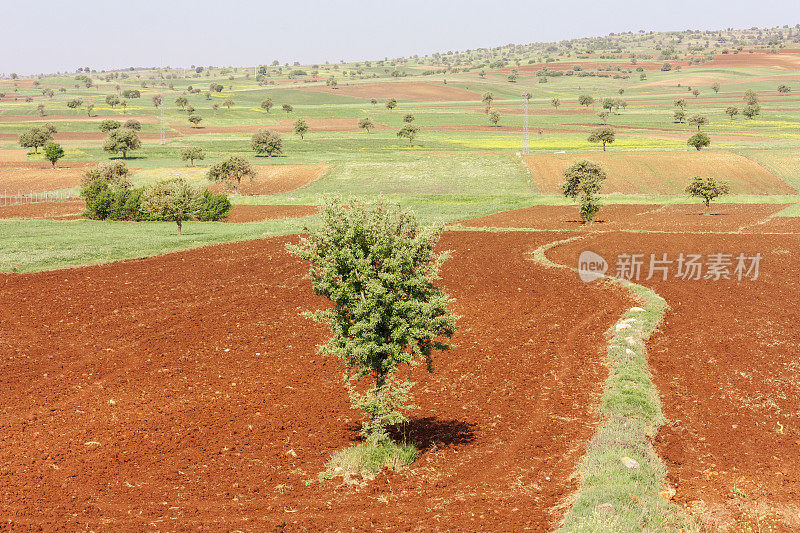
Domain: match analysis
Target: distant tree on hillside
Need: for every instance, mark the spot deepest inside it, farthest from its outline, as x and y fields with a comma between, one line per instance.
x=36, y=136
x=373, y=101
x=679, y=116
x=487, y=100
x=707, y=189
x=409, y=131
x=731, y=111
x=784, y=89
x=89, y=109
x=113, y=100
x=181, y=102
x=301, y=128
x=715, y=87
x=133, y=124
x=157, y=99
x=40, y=110
x=603, y=135
x=53, y=152
x=555, y=102
x=192, y=154
x=391, y=103
x=408, y=117
x=231, y=171
x=214, y=108
x=603, y=116
x=266, y=142
x=266, y=104
x=699, y=140
x=74, y=103
x=195, y=120
x=287, y=108
x=698, y=120
x=585, y=100
x=680, y=103
x=494, y=117
x=122, y=140
x=751, y=97
x=751, y=110
x=696, y=92
x=108, y=125
x=583, y=181
x=366, y=124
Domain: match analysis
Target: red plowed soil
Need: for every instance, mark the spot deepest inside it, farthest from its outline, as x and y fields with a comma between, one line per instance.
x=62, y=210
x=257, y=213
x=272, y=179
x=673, y=218
x=37, y=176
x=726, y=365
x=92, y=136
x=184, y=392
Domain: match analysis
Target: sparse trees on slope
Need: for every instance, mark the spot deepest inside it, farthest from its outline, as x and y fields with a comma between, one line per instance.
x=603, y=135
x=731, y=111
x=192, y=154
x=494, y=117
x=53, y=152
x=122, y=140
x=698, y=120
x=301, y=128
x=409, y=131
x=366, y=124
x=231, y=171
x=707, y=189
x=699, y=140
x=266, y=142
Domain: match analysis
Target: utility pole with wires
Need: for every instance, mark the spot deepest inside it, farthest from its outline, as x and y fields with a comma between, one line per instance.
x=525, y=142
x=163, y=139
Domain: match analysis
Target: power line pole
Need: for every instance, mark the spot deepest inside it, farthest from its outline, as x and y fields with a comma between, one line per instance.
x=525, y=143
x=163, y=140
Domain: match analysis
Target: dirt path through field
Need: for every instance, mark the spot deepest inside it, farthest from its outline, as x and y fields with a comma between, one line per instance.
x=184, y=391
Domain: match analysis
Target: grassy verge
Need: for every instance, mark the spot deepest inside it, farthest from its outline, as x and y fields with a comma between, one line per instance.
x=614, y=496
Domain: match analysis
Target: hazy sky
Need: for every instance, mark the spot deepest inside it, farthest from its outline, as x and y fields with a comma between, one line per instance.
x=53, y=35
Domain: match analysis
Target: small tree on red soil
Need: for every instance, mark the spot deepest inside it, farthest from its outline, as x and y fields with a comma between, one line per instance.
x=377, y=264
x=172, y=200
x=707, y=189
x=231, y=171
x=366, y=124
x=53, y=152
x=583, y=181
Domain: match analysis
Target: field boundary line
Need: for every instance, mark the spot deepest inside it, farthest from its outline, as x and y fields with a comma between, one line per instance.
x=622, y=483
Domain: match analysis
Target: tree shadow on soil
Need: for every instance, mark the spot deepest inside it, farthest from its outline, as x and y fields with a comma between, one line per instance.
x=429, y=432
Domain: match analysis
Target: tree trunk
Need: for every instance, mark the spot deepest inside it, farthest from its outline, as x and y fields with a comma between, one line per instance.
x=179, y=226
x=604, y=146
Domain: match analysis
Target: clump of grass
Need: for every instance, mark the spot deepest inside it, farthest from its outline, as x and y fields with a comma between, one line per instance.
x=369, y=460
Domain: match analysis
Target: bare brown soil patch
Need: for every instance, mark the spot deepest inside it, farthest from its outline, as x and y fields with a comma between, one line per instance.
x=725, y=363
x=659, y=172
x=284, y=125
x=215, y=408
x=38, y=176
x=272, y=179
x=92, y=136
x=257, y=213
x=61, y=210
x=145, y=119
x=13, y=156
x=403, y=90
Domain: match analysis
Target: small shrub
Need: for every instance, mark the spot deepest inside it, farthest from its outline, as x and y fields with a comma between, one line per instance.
x=213, y=207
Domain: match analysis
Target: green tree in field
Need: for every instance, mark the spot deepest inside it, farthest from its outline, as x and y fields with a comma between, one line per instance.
x=40, y=110
x=133, y=124
x=366, y=124
x=192, y=154
x=715, y=87
x=555, y=102
x=751, y=110
x=696, y=92
x=53, y=152
x=409, y=131
x=266, y=142
x=608, y=103
x=698, y=120
x=494, y=117
x=181, y=102
x=113, y=100
x=301, y=128
x=731, y=111
x=122, y=140
x=195, y=120
x=266, y=104
x=784, y=89
x=585, y=100
x=679, y=116
x=171, y=200
x=157, y=100
x=487, y=100
x=377, y=265
x=699, y=140
x=287, y=108
x=36, y=136
x=603, y=135
x=231, y=171
x=603, y=115
x=408, y=118
x=89, y=109
x=583, y=181
x=214, y=108
x=680, y=103
x=391, y=103
x=707, y=189
x=750, y=97
x=108, y=125
x=373, y=101
x=75, y=103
